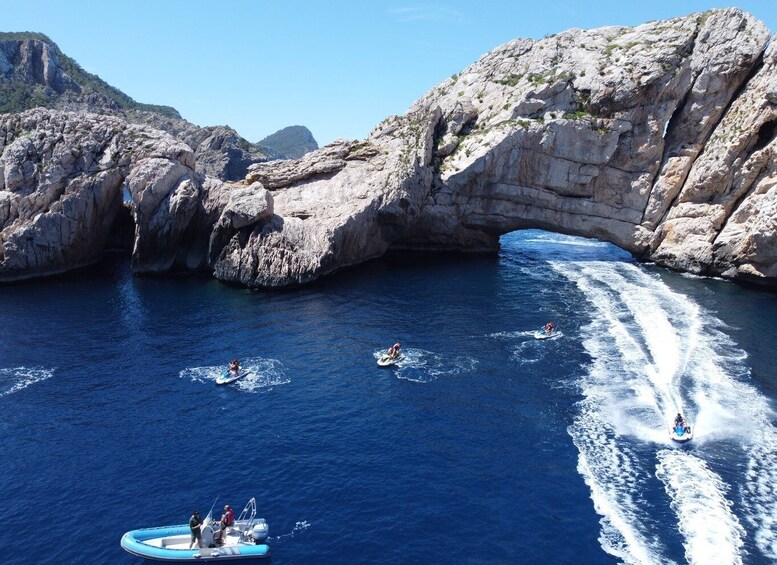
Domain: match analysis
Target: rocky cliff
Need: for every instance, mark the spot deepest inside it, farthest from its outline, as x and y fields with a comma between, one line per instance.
x=62, y=178
x=658, y=138
x=35, y=73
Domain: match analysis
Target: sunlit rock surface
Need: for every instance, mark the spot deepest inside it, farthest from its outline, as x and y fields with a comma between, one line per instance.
x=658, y=138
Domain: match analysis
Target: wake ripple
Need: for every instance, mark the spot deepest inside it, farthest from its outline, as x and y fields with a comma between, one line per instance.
x=421, y=366
x=712, y=532
x=613, y=473
x=298, y=527
x=653, y=353
x=264, y=374
x=512, y=335
x=529, y=349
x=18, y=378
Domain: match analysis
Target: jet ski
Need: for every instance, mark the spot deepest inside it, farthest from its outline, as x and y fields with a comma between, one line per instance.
x=681, y=432
x=542, y=334
x=230, y=377
x=386, y=360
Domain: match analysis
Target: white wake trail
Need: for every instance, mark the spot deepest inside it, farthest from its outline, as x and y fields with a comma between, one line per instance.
x=422, y=366
x=734, y=411
x=620, y=400
x=654, y=352
x=615, y=478
x=263, y=374
x=760, y=499
x=712, y=532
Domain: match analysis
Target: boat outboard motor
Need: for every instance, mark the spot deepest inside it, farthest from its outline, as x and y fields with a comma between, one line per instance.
x=206, y=537
x=260, y=531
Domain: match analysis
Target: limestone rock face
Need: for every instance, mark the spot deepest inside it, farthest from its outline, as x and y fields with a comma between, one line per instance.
x=334, y=207
x=63, y=177
x=594, y=133
x=33, y=61
x=219, y=151
x=658, y=138
x=248, y=206
x=589, y=132
x=723, y=220
x=33, y=72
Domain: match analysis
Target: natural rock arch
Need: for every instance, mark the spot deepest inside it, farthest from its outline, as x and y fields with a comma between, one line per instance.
x=644, y=137
x=658, y=138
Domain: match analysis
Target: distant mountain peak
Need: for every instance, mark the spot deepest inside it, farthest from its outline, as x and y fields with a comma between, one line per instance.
x=291, y=142
x=34, y=73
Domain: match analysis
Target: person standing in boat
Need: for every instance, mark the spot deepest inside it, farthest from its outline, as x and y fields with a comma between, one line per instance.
x=227, y=520
x=195, y=525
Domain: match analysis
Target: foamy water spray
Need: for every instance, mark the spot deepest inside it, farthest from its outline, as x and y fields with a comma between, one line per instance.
x=18, y=378
x=655, y=352
x=712, y=532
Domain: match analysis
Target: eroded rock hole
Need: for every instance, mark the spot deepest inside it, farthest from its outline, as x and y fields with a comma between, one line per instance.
x=675, y=118
x=765, y=135
x=122, y=236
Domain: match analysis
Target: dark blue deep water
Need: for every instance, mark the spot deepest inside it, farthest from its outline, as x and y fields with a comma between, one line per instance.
x=483, y=446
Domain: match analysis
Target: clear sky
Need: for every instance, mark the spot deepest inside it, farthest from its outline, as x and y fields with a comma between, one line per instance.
x=337, y=67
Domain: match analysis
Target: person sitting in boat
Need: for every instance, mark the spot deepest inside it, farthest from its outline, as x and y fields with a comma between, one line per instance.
x=234, y=366
x=195, y=525
x=678, y=421
x=549, y=327
x=227, y=520
x=393, y=351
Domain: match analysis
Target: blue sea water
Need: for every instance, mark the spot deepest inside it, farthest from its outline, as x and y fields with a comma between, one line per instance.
x=483, y=445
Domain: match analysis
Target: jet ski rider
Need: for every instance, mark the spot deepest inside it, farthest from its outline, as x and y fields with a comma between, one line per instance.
x=678, y=421
x=393, y=351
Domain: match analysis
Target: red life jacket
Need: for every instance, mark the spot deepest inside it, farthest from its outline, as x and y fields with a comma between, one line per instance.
x=229, y=518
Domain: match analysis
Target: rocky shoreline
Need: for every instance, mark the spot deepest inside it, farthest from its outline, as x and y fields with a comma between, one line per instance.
x=658, y=138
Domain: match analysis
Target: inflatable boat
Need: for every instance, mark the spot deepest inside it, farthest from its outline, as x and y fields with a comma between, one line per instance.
x=245, y=539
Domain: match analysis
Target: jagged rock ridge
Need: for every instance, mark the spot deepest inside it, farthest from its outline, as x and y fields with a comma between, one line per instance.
x=35, y=73
x=659, y=138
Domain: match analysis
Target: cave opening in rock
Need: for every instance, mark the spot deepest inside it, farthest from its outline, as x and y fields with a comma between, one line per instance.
x=534, y=247
x=766, y=134
x=122, y=236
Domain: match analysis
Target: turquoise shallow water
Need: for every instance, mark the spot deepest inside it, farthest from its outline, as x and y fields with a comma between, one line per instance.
x=483, y=445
